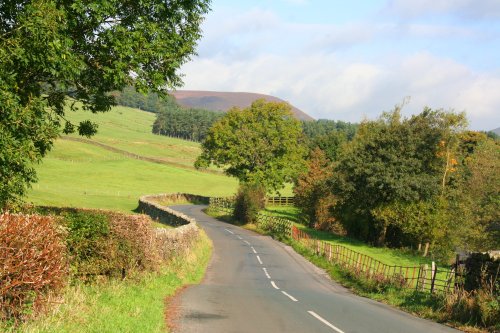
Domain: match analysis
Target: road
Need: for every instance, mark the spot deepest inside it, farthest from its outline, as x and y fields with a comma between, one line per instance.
x=256, y=284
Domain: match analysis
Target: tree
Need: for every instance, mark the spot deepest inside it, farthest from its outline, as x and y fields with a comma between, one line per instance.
x=394, y=161
x=312, y=193
x=54, y=49
x=261, y=144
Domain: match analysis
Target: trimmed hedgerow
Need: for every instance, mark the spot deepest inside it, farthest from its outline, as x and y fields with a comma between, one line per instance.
x=32, y=262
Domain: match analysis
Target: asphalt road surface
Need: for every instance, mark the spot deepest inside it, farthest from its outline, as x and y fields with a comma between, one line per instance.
x=258, y=285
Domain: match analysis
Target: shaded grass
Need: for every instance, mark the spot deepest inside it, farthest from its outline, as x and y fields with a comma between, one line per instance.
x=134, y=305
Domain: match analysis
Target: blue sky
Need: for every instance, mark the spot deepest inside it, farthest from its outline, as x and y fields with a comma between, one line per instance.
x=351, y=60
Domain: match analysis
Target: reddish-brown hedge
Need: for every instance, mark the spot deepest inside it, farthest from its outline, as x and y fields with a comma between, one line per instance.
x=32, y=262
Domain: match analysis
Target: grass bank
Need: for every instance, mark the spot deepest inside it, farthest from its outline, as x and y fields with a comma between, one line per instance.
x=133, y=305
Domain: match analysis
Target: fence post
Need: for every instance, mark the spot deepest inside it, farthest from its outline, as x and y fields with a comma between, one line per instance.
x=433, y=275
x=424, y=275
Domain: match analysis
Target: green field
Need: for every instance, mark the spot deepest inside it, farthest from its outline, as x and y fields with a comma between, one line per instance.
x=84, y=175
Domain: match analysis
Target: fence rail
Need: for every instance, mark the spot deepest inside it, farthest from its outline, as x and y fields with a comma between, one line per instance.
x=428, y=278
x=280, y=201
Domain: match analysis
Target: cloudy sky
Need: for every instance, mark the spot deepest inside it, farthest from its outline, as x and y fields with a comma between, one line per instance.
x=349, y=60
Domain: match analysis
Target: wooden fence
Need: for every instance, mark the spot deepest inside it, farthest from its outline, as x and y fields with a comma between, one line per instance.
x=428, y=278
x=425, y=277
x=280, y=201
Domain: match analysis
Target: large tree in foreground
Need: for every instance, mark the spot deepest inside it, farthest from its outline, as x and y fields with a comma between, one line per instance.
x=54, y=49
x=261, y=144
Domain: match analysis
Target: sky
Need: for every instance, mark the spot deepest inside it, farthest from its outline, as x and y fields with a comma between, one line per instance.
x=352, y=60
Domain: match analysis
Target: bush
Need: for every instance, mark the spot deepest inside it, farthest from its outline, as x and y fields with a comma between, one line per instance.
x=32, y=262
x=137, y=247
x=249, y=201
x=108, y=244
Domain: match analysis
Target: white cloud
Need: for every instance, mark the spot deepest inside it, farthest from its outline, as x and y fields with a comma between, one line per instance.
x=470, y=9
x=347, y=71
x=328, y=87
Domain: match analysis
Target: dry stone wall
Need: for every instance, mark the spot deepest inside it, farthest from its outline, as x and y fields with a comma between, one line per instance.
x=175, y=240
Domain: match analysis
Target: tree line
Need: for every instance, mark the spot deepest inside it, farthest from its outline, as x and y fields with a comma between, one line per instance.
x=423, y=181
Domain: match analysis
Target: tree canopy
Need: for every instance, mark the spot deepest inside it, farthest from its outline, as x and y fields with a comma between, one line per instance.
x=260, y=144
x=394, y=160
x=54, y=49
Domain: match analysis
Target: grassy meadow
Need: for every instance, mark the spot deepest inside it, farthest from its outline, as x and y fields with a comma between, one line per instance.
x=79, y=174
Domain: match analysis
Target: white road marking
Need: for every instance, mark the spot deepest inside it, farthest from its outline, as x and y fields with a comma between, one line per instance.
x=229, y=231
x=260, y=261
x=253, y=250
x=289, y=296
x=274, y=285
x=239, y=237
x=324, y=321
x=265, y=271
x=248, y=243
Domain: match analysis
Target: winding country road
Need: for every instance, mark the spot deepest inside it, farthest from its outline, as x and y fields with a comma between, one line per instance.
x=256, y=284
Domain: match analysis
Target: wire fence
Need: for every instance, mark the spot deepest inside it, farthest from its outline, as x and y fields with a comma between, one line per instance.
x=429, y=278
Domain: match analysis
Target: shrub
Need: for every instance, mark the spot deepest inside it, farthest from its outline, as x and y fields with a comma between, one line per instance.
x=249, y=201
x=32, y=262
x=136, y=249
x=108, y=244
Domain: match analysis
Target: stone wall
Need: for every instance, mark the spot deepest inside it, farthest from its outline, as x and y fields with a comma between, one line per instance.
x=175, y=240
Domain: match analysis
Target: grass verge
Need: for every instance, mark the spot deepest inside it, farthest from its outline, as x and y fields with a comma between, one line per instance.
x=132, y=305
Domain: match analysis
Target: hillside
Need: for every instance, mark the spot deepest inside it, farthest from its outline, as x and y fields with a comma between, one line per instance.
x=496, y=131
x=82, y=174
x=223, y=101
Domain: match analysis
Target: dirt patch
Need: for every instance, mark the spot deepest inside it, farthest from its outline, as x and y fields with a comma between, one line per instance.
x=173, y=309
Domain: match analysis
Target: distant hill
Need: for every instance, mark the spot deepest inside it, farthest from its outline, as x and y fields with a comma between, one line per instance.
x=496, y=131
x=223, y=101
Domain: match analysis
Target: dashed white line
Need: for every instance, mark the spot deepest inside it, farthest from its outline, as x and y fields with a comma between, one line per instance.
x=289, y=296
x=229, y=231
x=265, y=271
x=324, y=321
x=247, y=242
x=274, y=285
x=239, y=237
x=253, y=250
x=260, y=261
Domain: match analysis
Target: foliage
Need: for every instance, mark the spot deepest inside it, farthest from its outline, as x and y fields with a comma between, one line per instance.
x=150, y=102
x=324, y=127
x=482, y=271
x=249, y=201
x=190, y=124
x=53, y=49
x=390, y=161
x=108, y=244
x=477, y=198
x=32, y=262
x=261, y=144
x=331, y=144
x=312, y=194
